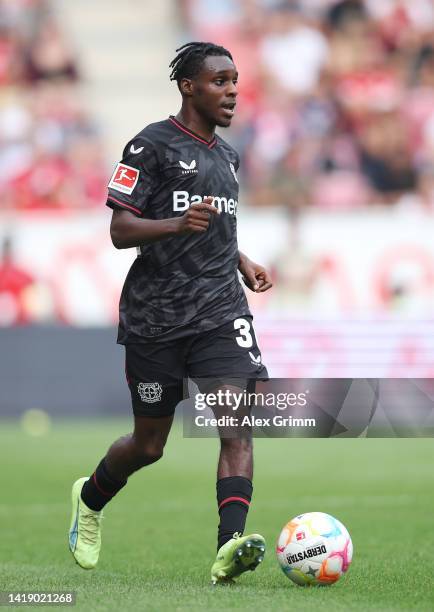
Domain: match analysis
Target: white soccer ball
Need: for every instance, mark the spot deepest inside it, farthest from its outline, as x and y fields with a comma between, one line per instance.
x=314, y=548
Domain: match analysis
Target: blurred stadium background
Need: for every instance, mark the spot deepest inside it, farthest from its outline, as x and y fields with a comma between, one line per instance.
x=335, y=128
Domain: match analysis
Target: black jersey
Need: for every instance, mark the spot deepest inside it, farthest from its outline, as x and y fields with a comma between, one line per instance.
x=183, y=284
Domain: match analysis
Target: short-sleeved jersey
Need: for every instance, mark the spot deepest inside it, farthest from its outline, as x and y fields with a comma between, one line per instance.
x=181, y=285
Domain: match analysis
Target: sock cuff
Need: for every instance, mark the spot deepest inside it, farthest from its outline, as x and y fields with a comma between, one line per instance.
x=104, y=482
x=102, y=472
x=234, y=500
x=99, y=487
x=234, y=490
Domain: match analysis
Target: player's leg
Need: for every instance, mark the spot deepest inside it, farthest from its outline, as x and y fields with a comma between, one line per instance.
x=140, y=448
x=234, y=484
x=236, y=553
x=124, y=457
x=154, y=398
x=232, y=352
x=89, y=495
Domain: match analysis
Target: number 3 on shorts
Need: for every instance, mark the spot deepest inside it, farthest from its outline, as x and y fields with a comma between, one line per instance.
x=245, y=339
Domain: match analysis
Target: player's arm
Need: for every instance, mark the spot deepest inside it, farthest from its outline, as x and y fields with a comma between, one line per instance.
x=127, y=230
x=255, y=277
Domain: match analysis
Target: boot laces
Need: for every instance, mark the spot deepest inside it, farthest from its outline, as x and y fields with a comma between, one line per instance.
x=90, y=524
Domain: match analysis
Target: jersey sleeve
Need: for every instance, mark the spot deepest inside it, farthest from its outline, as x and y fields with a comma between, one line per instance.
x=134, y=177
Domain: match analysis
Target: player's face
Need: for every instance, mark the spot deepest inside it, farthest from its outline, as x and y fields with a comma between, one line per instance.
x=215, y=90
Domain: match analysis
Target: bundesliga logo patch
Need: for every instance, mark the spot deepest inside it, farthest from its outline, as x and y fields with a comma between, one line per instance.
x=124, y=178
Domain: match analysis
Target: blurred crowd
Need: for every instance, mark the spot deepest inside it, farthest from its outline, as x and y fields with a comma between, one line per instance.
x=336, y=98
x=335, y=113
x=336, y=103
x=50, y=154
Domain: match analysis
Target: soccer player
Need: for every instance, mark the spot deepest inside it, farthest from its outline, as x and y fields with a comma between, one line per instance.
x=183, y=311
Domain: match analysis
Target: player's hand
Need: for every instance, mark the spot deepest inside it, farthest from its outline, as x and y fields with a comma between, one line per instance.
x=255, y=277
x=197, y=217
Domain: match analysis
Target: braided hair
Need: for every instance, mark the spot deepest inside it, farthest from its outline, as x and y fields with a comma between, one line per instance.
x=188, y=63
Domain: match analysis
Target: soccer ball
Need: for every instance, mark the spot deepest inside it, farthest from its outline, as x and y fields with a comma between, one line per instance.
x=314, y=548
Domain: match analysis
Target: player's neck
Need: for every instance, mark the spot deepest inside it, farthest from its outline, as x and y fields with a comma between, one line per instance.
x=195, y=123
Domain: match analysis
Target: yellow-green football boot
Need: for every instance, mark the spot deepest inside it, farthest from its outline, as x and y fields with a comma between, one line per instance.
x=85, y=530
x=239, y=554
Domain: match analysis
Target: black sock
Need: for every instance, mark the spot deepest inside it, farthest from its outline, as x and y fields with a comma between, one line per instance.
x=233, y=497
x=100, y=488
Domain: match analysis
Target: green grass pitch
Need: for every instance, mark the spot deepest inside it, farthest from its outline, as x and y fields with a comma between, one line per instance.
x=159, y=534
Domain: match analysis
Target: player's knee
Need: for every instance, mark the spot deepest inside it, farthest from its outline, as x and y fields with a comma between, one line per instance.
x=149, y=452
x=152, y=455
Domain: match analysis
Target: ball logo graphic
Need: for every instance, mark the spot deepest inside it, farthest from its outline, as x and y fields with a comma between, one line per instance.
x=314, y=548
x=150, y=392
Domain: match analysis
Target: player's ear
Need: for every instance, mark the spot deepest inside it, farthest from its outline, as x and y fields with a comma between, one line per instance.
x=186, y=87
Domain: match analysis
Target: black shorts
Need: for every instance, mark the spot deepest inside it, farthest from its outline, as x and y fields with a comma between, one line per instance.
x=156, y=371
